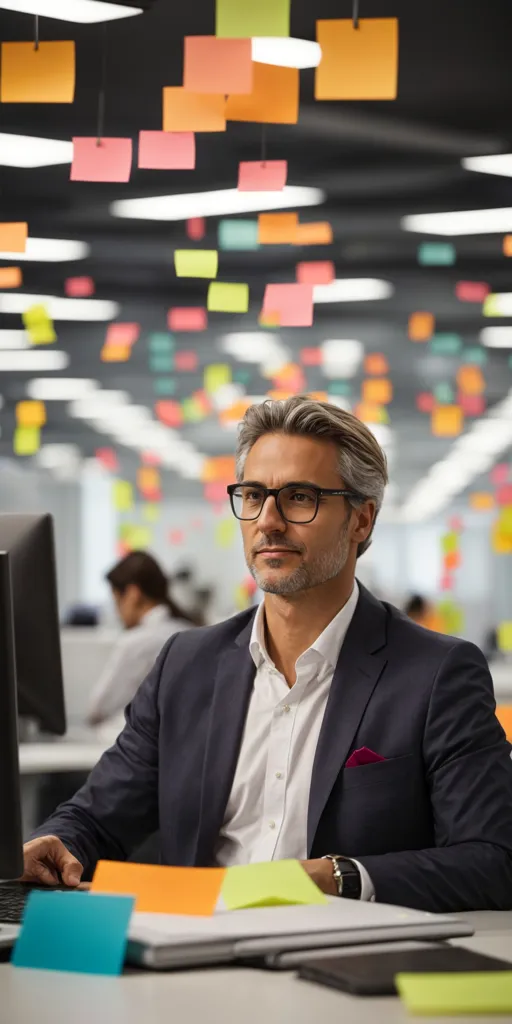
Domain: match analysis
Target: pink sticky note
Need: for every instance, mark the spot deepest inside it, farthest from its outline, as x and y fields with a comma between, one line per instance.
x=79, y=287
x=215, y=492
x=293, y=302
x=176, y=537
x=122, y=334
x=471, y=405
x=504, y=495
x=446, y=582
x=169, y=413
x=196, y=228
x=167, y=151
x=472, y=291
x=185, y=360
x=187, y=318
x=151, y=459
x=262, y=176
x=311, y=356
x=111, y=160
x=456, y=523
x=197, y=524
x=108, y=459
x=317, y=272
x=425, y=401
x=499, y=475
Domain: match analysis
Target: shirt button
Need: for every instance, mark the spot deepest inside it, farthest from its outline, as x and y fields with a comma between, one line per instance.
x=271, y=824
x=279, y=775
x=286, y=708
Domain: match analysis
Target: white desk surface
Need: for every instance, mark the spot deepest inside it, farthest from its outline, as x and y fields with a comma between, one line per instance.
x=220, y=996
x=41, y=758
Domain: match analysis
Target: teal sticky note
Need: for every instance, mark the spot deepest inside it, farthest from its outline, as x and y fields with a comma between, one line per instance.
x=74, y=931
x=161, y=362
x=241, y=376
x=436, y=254
x=238, y=235
x=340, y=387
x=443, y=393
x=160, y=342
x=448, y=344
x=164, y=386
x=475, y=354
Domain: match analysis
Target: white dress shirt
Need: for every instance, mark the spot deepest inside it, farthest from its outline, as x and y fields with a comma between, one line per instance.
x=267, y=812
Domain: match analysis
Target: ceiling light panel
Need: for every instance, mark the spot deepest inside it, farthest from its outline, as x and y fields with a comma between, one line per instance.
x=49, y=250
x=496, y=337
x=58, y=308
x=30, y=151
x=13, y=339
x=500, y=163
x=214, y=204
x=286, y=52
x=84, y=12
x=33, y=360
x=60, y=389
x=357, y=289
x=460, y=222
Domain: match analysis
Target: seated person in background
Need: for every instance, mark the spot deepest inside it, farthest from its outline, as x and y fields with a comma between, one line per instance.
x=324, y=726
x=424, y=614
x=150, y=617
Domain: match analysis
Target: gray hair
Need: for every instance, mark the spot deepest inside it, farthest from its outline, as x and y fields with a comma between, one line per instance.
x=362, y=463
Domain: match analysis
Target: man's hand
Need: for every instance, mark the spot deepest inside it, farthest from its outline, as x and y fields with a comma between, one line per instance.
x=48, y=862
x=322, y=873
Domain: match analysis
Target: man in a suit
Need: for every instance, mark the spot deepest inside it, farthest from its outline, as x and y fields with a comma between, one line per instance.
x=326, y=726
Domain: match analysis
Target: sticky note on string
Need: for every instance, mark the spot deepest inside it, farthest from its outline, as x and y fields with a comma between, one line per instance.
x=357, y=63
x=475, y=354
x=185, y=111
x=504, y=713
x=450, y=542
x=436, y=254
x=274, y=98
x=167, y=151
x=277, y=228
x=242, y=19
x=115, y=353
x=507, y=245
x=444, y=393
x=314, y=233
x=42, y=75
x=164, y=386
x=26, y=440
x=216, y=376
x=377, y=391
x=196, y=228
x=376, y=364
x=226, y=532
x=228, y=298
x=79, y=287
x=169, y=413
x=238, y=235
x=148, y=480
x=186, y=360
x=262, y=175
x=196, y=262
x=219, y=66
x=107, y=458
x=472, y=405
x=470, y=380
x=151, y=513
x=481, y=501
x=176, y=537
x=122, y=495
x=193, y=410
x=472, y=291
x=11, y=277
x=421, y=326
x=110, y=160
x=187, y=318
x=219, y=468
x=39, y=325
x=446, y=344
x=13, y=236
x=501, y=541
x=74, y=931
x=311, y=356
x=500, y=474
x=293, y=302
x=31, y=414
x=161, y=343
x=504, y=497
x=122, y=334
x=469, y=993
x=271, y=884
x=317, y=272
x=447, y=421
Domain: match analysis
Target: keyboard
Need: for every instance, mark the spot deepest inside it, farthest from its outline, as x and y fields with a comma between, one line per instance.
x=14, y=895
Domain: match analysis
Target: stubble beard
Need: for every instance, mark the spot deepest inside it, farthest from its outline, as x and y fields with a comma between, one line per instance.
x=304, y=577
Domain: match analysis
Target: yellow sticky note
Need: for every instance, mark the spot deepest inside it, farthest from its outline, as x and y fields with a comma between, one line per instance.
x=357, y=63
x=501, y=540
x=27, y=440
x=228, y=298
x=442, y=995
x=226, y=532
x=271, y=884
x=450, y=543
x=10, y=277
x=505, y=636
x=35, y=315
x=42, y=334
x=216, y=376
x=122, y=495
x=30, y=414
x=42, y=75
x=151, y=513
x=196, y=262
x=447, y=421
x=139, y=538
x=160, y=889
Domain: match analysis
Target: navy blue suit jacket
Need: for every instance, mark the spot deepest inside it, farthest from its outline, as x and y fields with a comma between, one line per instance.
x=432, y=823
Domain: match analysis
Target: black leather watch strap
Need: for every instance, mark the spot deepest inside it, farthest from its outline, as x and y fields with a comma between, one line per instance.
x=346, y=875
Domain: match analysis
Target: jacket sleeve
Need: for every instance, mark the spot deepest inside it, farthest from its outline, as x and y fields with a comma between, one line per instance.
x=117, y=808
x=469, y=773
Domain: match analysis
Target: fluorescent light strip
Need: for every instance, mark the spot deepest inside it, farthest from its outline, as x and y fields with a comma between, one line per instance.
x=58, y=308
x=31, y=359
x=286, y=52
x=30, y=151
x=496, y=337
x=83, y=12
x=60, y=389
x=49, y=250
x=499, y=163
x=215, y=204
x=460, y=222
x=13, y=340
x=357, y=289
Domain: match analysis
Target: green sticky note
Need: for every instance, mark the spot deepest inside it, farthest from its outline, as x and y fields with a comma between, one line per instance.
x=164, y=386
x=436, y=254
x=241, y=376
x=242, y=19
x=161, y=362
x=27, y=440
x=452, y=615
x=160, y=342
x=228, y=298
x=448, y=344
x=151, y=513
x=492, y=305
x=272, y=884
x=475, y=354
x=450, y=543
x=451, y=994
x=216, y=375
x=340, y=387
x=443, y=393
x=122, y=495
x=193, y=411
x=238, y=235
x=196, y=262
x=225, y=532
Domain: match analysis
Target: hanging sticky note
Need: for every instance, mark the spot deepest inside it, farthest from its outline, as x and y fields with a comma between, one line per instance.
x=13, y=236
x=507, y=245
x=315, y=233
x=176, y=537
x=228, y=298
x=169, y=413
x=196, y=262
x=226, y=532
x=447, y=421
x=10, y=277
x=238, y=235
x=376, y=364
x=79, y=287
x=35, y=315
x=186, y=360
x=108, y=160
x=470, y=380
x=470, y=993
x=311, y=356
x=274, y=98
x=161, y=342
x=196, y=228
x=290, y=377
x=481, y=501
x=27, y=440
x=215, y=492
x=30, y=414
x=216, y=376
x=436, y=254
x=293, y=302
x=122, y=495
x=193, y=410
x=504, y=495
x=74, y=931
x=475, y=354
x=471, y=291
x=269, y=884
x=167, y=151
x=421, y=326
x=148, y=479
x=277, y=228
x=377, y=391
x=501, y=541
x=471, y=405
x=151, y=458
x=317, y=272
x=164, y=386
x=443, y=393
x=107, y=458
x=161, y=362
x=125, y=333
x=187, y=318
x=115, y=353
x=262, y=175
x=504, y=711
x=38, y=325
x=219, y=468
x=450, y=542
x=42, y=75
x=192, y=112
x=213, y=65
x=151, y=512
x=242, y=19
x=500, y=474
x=357, y=63
x=445, y=344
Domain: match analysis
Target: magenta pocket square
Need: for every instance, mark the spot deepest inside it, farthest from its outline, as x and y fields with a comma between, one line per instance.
x=363, y=756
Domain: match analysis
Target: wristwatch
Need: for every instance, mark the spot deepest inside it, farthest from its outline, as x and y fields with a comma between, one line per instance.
x=346, y=876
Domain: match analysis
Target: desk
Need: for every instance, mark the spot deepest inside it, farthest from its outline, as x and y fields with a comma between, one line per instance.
x=221, y=996
x=45, y=758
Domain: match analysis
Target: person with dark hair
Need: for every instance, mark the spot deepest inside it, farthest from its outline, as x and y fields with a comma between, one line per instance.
x=150, y=616
x=423, y=613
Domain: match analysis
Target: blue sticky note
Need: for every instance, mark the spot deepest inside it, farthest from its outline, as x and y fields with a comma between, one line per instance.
x=238, y=235
x=74, y=931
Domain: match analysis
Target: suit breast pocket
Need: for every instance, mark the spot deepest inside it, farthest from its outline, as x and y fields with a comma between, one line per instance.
x=395, y=770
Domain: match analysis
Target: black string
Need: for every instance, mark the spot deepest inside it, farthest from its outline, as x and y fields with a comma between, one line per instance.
x=355, y=13
x=263, y=143
x=103, y=86
x=36, y=32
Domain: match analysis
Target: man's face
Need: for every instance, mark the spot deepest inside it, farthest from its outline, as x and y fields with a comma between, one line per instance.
x=286, y=558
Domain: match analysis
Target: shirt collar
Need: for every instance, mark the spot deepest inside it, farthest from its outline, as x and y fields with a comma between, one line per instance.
x=156, y=616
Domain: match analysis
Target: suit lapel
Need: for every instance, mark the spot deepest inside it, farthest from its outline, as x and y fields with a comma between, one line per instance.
x=360, y=664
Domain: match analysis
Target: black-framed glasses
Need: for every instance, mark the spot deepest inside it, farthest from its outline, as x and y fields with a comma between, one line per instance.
x=296, y=502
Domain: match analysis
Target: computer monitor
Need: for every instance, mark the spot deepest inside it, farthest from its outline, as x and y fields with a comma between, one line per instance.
x=29, y=542
x=11, y=849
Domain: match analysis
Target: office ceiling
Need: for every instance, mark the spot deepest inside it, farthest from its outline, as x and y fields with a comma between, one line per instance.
x=376, y=162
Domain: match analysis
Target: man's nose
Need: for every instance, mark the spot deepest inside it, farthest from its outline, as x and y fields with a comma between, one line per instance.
x=270, y=519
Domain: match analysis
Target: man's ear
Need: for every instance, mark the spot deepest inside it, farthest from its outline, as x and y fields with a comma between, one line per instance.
x=363, y=518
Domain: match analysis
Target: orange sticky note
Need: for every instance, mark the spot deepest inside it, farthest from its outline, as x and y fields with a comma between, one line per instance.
x=30, y=414
x=277, y=228
x=357, y=63
x=115, y=353
x=481, y=501
x=220, y=66
x=470, y=380
x=262, y=175
x=159, y=889
x=192, y=111
x=377, y=391
x=45, y=75
x=421, y=326
x=10, y=277
x=504, y=711
x=271, y=319
x=219, y=469
x=13, y=236
x=376, y=364
x=148, y=479
x=447, y=421
x=108, y=160
x=274, y=98
x=507, y=245
x=316, y=233
x=167, y=151
x=318, y=272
